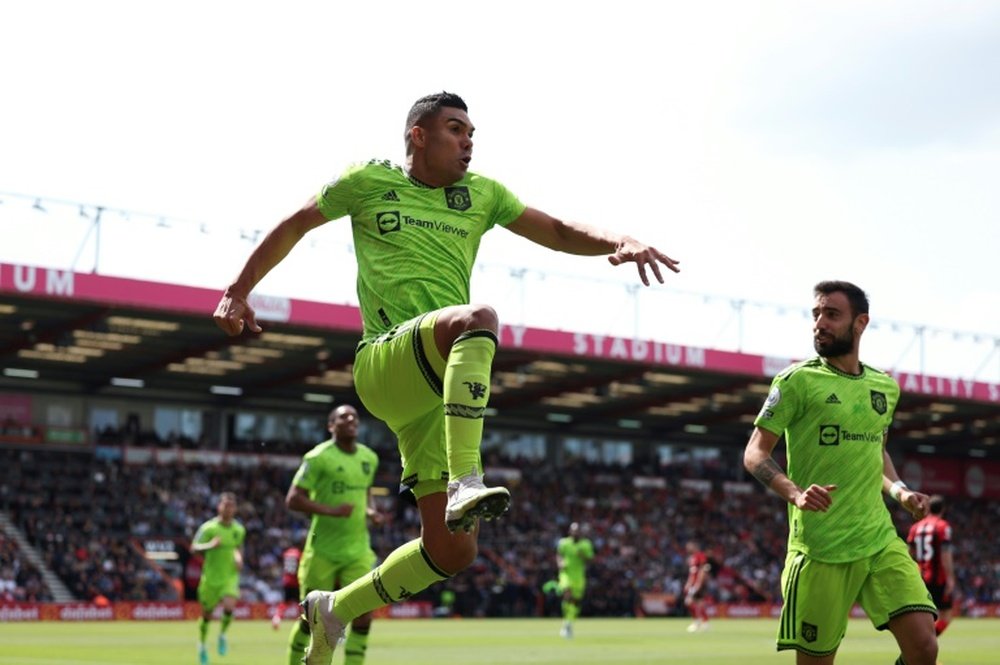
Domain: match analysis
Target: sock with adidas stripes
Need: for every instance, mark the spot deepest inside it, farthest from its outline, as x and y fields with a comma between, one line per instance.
x=406, y=571
x=466, y=393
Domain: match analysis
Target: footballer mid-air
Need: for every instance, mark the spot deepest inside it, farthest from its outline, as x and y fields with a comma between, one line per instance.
x=423, y=365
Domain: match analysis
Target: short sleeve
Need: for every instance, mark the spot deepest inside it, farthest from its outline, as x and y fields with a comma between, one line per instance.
x=507, y=207
x=779, y=407
x=337, y=197
x=203, y=534
x=303, y=478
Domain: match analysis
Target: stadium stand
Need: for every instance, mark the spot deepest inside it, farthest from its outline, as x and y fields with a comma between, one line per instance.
x=20, y=581
x=116, y=439
x=88, y=518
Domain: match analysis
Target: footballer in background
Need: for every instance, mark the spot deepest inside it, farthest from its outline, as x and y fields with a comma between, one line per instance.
x=695, y=586
x=289, y=583
x=930, y=545
x=220, y=541
x=573, y=553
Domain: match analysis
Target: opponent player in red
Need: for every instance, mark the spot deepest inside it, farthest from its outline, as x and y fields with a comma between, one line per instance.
x=930, y=545
x=694, y=587
x=289, y=582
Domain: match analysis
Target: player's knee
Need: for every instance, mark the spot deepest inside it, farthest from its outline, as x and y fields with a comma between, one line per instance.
x=484, y=317
x=453, y=322
x=921, y=648
x=453, y=555
x=474, y=317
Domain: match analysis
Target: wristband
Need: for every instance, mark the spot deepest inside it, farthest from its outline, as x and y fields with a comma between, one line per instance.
x=896, y=488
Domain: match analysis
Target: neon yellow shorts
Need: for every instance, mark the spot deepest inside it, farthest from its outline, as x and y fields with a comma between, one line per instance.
x=318, y=572
x=818, y=596
x=399, y=378
x=211, y=594
x=576, y=585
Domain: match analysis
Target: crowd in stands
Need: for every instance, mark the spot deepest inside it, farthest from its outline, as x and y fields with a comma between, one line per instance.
x=74, y=508
x=89, y=516
x=638, y=532
x=20, y=582
x=132, y=434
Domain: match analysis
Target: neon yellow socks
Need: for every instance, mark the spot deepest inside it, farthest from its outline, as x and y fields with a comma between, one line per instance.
x=297, y=643
x=355, y=646
x=466, y=393
x=570, y=610
x=406, y=571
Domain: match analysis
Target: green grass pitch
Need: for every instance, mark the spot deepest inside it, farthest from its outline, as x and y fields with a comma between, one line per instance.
x=475, y=642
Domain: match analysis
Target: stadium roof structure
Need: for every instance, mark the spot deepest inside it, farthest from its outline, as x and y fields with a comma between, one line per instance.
x=77, y=333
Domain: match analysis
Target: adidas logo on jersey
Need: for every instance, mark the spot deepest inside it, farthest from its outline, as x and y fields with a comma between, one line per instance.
x=390, y=196
x=832, y=399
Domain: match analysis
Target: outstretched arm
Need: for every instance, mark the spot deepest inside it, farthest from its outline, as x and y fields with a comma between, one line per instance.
x=233, y=311
x=576, y=238
x=758, y=461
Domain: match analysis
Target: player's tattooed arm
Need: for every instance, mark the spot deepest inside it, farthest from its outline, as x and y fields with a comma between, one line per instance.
x=757, y=460
x=766, y=470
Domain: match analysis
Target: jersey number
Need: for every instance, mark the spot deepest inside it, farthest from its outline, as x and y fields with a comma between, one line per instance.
x=925, y=546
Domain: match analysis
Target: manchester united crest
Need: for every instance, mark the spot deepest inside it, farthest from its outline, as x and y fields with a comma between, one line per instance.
x=458, y=198
x=879, y=403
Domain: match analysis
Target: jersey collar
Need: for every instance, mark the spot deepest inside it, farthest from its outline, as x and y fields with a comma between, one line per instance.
x=416, y=181
x=840, y=372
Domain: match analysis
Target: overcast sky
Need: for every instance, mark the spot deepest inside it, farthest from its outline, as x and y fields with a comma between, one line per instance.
x=767, y=145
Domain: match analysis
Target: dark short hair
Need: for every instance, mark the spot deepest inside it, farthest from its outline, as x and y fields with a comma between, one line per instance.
x=333, y=412
x=429, y=106
x=937, y=504
x=855, y=295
